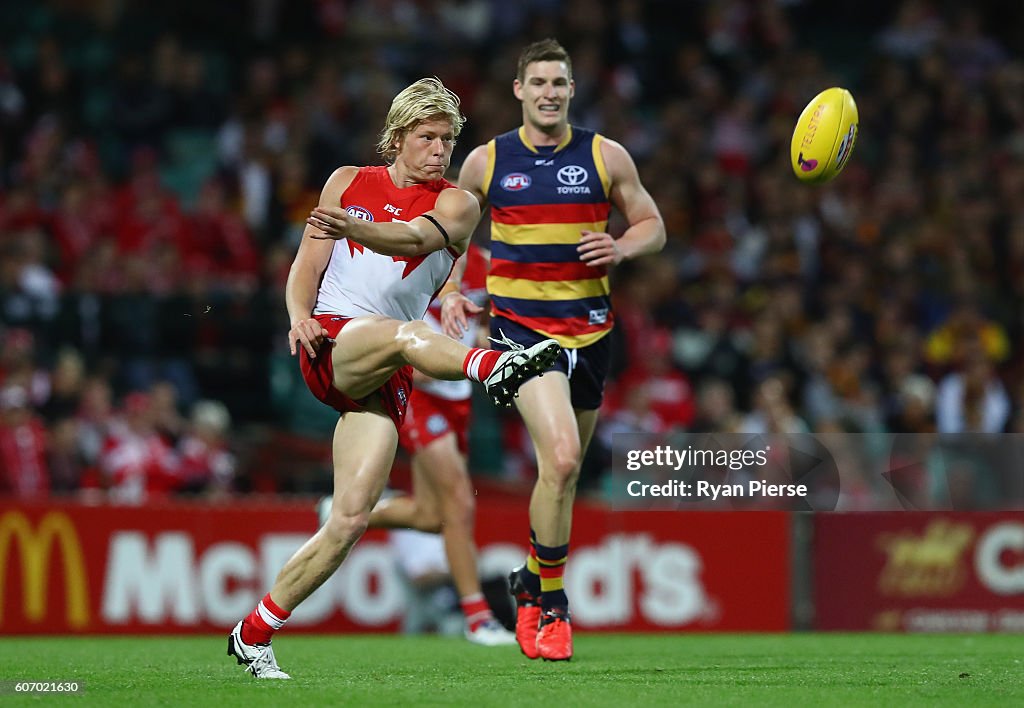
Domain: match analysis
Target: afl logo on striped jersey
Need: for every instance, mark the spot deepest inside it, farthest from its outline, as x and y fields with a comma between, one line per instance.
x=359, y=212
x=515, y=181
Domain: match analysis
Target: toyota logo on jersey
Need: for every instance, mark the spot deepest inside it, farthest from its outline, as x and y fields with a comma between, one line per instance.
x=359, y=212
x=572, y=175
x=573, y=179
x=515, y=181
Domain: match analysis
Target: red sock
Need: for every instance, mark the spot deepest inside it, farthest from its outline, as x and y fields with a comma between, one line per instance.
x=480, y=363
x=476, y=610
x=263, y=621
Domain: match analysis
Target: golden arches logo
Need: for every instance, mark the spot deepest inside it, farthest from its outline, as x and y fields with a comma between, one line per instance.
x=37, y=547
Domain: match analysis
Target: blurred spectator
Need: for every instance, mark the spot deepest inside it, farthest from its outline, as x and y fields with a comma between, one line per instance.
x=95, y=419
x=773, y=412
x=207, y=463
x=66, y=384
x=653, y=386
x=716, y=408
x=713, y=348
x=914, y=410
x=217, y=241
x=964, y=326
x=915, y=29
x=167, y=419
x=972, y=399
x=137, y=464
x=19, y=365
x=67, y=463
x=23, y=467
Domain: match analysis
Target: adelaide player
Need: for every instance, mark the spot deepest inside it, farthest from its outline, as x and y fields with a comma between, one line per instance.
x=375, y=252
x=551, y=186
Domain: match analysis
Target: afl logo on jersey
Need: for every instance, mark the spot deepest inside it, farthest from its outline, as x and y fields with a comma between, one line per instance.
x=515, y=181
x=359, y=212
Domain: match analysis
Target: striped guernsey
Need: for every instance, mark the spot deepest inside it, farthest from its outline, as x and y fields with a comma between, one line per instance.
x=541, y=199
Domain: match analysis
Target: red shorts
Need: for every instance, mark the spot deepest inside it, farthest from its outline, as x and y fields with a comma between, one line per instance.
x=432, y=417
x=319, y=376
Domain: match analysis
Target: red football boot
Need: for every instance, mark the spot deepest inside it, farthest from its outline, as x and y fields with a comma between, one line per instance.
x=554, y=639
x=527, y=615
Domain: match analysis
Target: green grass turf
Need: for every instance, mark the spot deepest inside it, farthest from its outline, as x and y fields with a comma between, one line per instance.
x=609, y=669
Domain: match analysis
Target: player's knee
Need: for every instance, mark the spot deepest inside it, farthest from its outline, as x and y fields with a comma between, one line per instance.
x=429, y=520
x=461, y=507
x=562, y=466
x=409, y=335
x=345, y=529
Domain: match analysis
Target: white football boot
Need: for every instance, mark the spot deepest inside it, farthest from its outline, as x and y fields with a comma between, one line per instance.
x=258, y=659
x=517, y=365
x=491, y=634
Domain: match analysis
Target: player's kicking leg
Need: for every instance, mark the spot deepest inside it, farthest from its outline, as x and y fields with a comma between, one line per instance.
x=369, y=346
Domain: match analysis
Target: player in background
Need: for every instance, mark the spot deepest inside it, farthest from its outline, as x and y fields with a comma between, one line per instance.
x=436, y=435
x=551, y=186
x=374, y=253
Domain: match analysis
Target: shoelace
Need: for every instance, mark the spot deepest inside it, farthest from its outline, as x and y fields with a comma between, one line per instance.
x=266, y=660
x=513, y=346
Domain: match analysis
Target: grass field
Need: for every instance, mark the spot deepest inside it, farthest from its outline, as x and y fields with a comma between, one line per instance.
x=609, y=670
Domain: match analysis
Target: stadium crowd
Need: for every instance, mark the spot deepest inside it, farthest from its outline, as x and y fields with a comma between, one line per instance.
x=157, y=166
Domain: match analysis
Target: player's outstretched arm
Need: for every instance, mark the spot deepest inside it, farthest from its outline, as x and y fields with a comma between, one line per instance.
x=449, y=223
x=646, y=231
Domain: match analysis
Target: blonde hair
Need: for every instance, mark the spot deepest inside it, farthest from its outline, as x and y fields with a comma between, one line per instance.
x=424, y=100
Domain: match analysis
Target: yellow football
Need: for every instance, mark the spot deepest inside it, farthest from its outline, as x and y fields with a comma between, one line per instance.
x=824, y=136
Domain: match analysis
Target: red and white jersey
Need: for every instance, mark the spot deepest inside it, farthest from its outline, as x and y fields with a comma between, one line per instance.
x=359, y=281
x=138, y=465
x=474, y=286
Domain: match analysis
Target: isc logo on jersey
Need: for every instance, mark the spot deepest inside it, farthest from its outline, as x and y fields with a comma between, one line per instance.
x=359, y=212
x=573, y=179
x=515, y=182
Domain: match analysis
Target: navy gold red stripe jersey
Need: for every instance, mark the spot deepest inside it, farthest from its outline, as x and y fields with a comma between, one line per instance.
x=541, y=199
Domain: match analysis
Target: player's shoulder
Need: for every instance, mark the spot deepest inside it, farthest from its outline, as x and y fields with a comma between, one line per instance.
x=341, y=178
x=471, y=173
x=477, y=154
x=457, y=198
x=615, y=155
x=345, y=172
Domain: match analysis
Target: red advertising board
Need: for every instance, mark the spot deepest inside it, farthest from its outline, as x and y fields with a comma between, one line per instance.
x=199, y=568
x=919, y=571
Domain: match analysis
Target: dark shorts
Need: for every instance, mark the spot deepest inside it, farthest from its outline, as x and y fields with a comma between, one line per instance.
x=319, y=376
x=586, y=368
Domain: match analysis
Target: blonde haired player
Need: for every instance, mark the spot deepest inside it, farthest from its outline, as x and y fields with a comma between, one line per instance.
x=436, y=436
x=375, y=251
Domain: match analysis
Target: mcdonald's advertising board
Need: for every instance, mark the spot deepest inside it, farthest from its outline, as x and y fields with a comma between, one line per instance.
x=919, y=571
x=200, y=568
